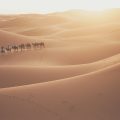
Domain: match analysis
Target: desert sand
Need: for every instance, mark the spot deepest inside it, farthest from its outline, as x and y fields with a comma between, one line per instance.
x=75, y=77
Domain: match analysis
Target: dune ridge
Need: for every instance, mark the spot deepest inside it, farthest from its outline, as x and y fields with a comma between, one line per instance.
x=36, y=74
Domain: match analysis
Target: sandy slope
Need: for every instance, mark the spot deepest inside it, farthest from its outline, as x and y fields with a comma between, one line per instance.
x=62, y=56
x=23, y=75
x=12, y=38
x=90, y=97
x=75, y=77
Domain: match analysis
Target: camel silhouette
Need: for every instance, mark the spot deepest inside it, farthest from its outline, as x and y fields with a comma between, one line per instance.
x=28, y=46
x=15, y=48
x=2, y=49
x=21, y=47
x=8, y=49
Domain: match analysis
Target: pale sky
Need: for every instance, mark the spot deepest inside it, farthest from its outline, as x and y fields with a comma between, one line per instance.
x=45, y=6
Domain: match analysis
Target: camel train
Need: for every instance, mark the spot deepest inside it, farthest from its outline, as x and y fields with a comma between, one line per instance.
x=21, y=47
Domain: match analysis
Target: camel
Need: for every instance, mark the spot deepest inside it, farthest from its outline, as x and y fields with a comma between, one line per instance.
x=37, y=45
x=2, y=49
x=34, y=45
x=8, y=49
x=21, y=46
x=28, y=46
x=15, y=48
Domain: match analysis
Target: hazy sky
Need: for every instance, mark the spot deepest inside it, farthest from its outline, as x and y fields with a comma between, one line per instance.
x=36, y=6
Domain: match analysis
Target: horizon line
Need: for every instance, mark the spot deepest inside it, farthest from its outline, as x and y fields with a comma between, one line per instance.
x=59, y=11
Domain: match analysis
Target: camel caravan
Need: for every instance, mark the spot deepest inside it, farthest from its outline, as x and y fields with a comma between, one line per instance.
x=21, y=47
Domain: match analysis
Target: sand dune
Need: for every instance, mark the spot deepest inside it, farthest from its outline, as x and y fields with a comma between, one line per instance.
x=21, y=21
x=75, y=77
x=86, y=97
x=56, y=56
x=12, y=38
x=23, y=75
x=32, y=20
x=41, y=31
x=101, y=29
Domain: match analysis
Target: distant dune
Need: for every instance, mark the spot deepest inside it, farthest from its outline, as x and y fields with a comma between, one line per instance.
x=75, y=77
x=7, y=38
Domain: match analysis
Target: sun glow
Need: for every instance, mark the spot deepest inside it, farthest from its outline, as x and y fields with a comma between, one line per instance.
x=98, y=5
x=94, y=7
